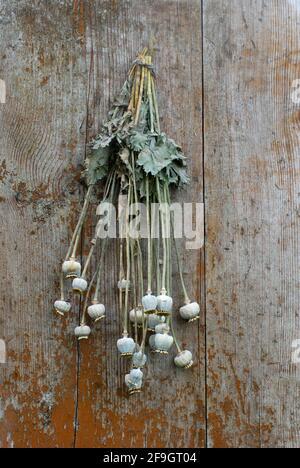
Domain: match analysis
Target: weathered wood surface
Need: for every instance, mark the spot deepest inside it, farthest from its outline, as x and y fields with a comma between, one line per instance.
x=252, y=181
x=171, y=411
x=63, y=62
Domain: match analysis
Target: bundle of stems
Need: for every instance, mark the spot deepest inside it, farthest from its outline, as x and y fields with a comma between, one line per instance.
x=139, y=164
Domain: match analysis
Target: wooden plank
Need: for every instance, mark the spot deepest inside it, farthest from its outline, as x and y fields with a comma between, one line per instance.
x=42, y=140
x=171, y=410
x=252, y=183
x=62, y=63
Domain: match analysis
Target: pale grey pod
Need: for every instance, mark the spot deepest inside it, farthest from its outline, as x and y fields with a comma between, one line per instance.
x=164, y=304
x=162, y=328
x=96, y=312
x=190, y=311
x=184, y=359
x=163, y=342
x=136, y=315
x=126, y=346
x=62, y=307
x=82, y=332
x=136, y=376
x=153, y=320
x=149, y=303
x=133, y=387
x=80, y=285
x=124, y=284
x=71, y=268
x=129, y=384
x=139, y=359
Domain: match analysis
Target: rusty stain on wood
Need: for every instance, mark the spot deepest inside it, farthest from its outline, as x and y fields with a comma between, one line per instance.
x=252, y=221
x=62, y=63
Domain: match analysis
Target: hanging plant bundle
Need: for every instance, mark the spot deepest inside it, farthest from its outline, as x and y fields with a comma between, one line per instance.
x=138, y=164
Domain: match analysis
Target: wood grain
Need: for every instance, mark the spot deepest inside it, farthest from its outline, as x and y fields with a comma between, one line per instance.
x=63, y=62
x=251, y=53
x=42, y=143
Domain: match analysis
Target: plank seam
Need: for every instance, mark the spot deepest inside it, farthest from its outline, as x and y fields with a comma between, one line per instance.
x=204, y=221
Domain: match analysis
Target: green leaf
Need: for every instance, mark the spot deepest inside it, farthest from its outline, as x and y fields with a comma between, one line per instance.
x=178, y=172
x=138, y=141
x=102, y=140
x=152, y=162
x=97, y=165
x=158, y=154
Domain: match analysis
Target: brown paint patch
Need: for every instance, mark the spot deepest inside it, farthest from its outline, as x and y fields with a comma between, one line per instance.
x=217, y=433
x=46, y=413
x=79, y=17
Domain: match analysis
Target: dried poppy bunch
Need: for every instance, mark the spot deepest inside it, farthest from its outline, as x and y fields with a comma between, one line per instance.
x=139, y=164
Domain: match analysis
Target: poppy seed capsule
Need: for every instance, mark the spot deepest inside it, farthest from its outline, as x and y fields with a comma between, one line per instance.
x=96, y=312
x=126, y=346
x=139, y=359
x=136, y=375
x=163, y=341
x=190, y=311
x=164, y=304
x=133, y=387
x=184, y=359
x=80, y=285
x=149, y=303
x=153, y=320
x=162, y=328
x=136, y=315
x=71, y=268
x=82, y=332
x=62, y=307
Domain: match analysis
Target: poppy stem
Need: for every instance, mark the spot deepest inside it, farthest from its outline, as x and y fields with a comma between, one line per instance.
x=76, y=234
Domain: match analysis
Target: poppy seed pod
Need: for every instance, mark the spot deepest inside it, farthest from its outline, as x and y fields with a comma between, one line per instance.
x=136, y=315
x=136, y=375
x=190, y=311
x=124, y=284
x=71, y=268
x=82, y=332
x=162, y=328
x=149, y=303
x=139, y=359
x=133, y=387
x=164, y=304
x=126, y=346
x=80, y=285
x=163, y=342
x=96, y=311
x=62, y=307
x=153, y=320
x=184, y=359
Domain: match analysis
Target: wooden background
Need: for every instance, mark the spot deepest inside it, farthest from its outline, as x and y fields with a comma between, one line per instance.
x=225, y=75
